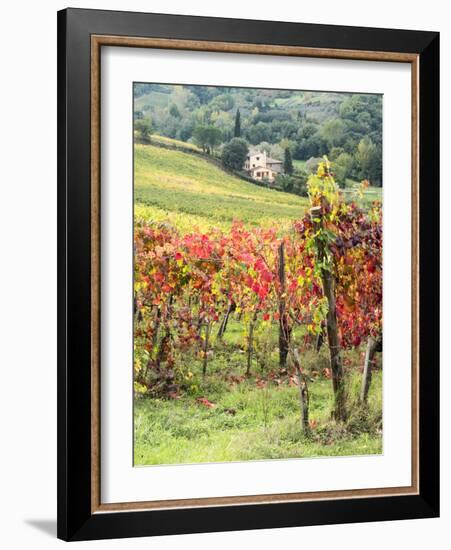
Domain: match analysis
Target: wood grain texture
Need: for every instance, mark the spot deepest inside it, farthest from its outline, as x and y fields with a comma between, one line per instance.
x=256, y=499
x=95, y=277
x=97, y=41
x=259, y=49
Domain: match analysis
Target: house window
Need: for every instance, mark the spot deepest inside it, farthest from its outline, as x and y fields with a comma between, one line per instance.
x=253, y=166
x=258, y=158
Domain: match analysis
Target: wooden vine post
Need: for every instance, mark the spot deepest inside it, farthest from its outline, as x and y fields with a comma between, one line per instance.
x=250, y=344
x=284, y=330
x=328, y=283
x=371, y=349
x=286, y=344
x=303, y=391
x=230, y=309
x=205, y=349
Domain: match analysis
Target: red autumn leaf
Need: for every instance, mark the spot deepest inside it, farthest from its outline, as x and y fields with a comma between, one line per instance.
x=327, y=373
x=205, y=402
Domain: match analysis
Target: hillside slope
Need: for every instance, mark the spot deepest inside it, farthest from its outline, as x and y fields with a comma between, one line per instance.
x=191, y=192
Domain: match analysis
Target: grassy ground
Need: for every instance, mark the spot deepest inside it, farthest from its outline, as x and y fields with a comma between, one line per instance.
x=190, y=191
x=299, y=164
x=370, y=195
x=251, y=422
x=174, y=142
x=373, y=193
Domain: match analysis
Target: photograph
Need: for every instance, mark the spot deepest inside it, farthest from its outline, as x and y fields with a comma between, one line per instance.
x=257, y=257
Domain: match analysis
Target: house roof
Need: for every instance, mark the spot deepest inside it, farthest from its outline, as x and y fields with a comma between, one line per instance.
x=273, y=161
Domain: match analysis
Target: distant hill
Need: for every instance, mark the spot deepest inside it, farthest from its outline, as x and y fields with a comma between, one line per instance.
x=310, y=124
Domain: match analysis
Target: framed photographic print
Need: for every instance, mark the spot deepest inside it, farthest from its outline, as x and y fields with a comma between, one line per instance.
x=248, y=274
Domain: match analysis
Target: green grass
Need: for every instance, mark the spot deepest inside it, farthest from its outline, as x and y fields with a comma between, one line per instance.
x=189, y=190
x=373, y=193
x=299, y=164
x=155, y=138
x=370, y=194
x=265, y=424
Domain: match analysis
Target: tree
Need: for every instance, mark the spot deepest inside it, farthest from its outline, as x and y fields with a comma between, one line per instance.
x=237, y=130
x=222, y=102
x=285, y=182
x=185, y=130
x=267, y=147
x=369, y=161
x=309, y=142
x=333, y=132
x=342, y=167
x=234, y=154
x=288, y=163
x=300, y=183
x=200, y=137
x=174, y=111
x=144, y=128
x=259, y=132
x=207, y=137
x=214, y=137
x=334, y=153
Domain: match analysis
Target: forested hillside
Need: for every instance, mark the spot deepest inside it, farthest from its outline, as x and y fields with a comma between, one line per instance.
x=345, y=127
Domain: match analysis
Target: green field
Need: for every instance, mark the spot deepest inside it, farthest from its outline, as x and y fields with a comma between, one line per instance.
x=370, y=194
x=249, y=422
x=190, y=191
x=163, y=140
x=299, y=164
x=373, y=193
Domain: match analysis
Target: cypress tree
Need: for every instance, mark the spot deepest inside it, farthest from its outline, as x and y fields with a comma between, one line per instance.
x=237, y=131
x=288, y=163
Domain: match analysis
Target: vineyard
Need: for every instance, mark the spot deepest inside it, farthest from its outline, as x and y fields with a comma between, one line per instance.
x=202, y=195
x=256, y=331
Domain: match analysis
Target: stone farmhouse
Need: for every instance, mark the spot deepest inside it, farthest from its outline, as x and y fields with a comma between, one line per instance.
x=262, y=167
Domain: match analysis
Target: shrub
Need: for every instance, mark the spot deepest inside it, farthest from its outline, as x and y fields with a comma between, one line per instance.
x=144, y=128
x=234, y=154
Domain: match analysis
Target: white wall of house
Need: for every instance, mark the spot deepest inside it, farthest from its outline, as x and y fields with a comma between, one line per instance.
x=254, y=159
x=262, y=173
x=260, y=166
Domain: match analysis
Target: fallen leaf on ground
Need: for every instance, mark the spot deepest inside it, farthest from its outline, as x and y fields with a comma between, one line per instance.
x=205, y=402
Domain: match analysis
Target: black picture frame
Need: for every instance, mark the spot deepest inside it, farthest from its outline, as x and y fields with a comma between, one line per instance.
x=76, y=521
